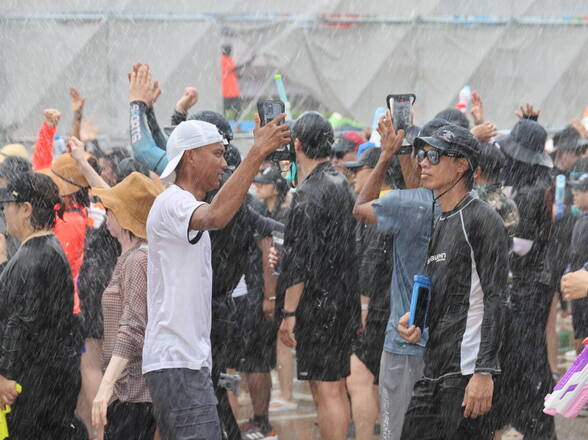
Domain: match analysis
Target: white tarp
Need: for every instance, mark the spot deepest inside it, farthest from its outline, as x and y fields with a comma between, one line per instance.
x=516, y=52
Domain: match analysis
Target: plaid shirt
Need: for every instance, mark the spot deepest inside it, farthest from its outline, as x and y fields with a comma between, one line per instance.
x=124, y=304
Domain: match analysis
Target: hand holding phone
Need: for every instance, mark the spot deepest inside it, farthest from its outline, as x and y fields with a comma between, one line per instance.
x=401, y=106
x=268, y=110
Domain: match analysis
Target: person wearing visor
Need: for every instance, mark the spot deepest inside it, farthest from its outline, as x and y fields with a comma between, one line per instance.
x=345, y=150
x=468, y=269
x=40, y=338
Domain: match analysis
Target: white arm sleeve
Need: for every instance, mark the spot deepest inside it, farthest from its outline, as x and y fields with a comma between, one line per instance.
x=521, y=246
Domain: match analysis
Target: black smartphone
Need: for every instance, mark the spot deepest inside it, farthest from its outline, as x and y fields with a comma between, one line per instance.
x=268, y=110
x=401, y=106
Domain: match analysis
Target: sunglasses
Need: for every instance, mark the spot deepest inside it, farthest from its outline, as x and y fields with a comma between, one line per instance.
x=434, y=156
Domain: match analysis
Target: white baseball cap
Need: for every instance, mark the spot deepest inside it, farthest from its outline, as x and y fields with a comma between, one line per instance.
x=189, y=135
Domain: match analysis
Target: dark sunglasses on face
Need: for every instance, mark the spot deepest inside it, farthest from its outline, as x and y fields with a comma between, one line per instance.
x=434, y=156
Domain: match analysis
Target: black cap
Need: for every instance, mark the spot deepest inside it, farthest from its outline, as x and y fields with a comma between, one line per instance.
x=569, y=139
x=427, y=130
x=348, y=140
x=453, y=138
x=454, y=116
x=526, y=143
x=369, y=159
x=272, y=176
x=581, y=183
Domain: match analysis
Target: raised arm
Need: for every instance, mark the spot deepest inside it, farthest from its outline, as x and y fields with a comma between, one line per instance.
x=43, y=153
x=229, y=198
x=76, y=148
x=77, y=108
x=391, y=143
x=187, y=101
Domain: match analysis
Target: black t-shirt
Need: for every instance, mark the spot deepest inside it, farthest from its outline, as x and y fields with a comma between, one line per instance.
x=320, y=252
x=375, y=269
x=468, y=268
x=534, y=204
x=37, y=324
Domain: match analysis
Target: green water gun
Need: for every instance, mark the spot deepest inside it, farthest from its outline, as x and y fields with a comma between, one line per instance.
x=3, y=423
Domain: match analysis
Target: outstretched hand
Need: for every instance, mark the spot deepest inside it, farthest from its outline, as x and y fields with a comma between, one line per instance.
x=141, y=86
x=477, y=108
x=77, y=101
x=390, y=139
x=527, y=112
x=187, y=101
x=484, y=132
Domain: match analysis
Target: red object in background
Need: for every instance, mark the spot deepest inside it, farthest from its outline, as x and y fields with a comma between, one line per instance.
x=229, y=79
x=342, y=24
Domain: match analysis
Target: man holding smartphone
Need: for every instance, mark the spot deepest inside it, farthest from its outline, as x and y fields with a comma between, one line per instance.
x=468, y=269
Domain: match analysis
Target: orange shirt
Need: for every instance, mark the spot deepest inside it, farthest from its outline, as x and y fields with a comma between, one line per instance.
x=71, y=233
x=230, y=80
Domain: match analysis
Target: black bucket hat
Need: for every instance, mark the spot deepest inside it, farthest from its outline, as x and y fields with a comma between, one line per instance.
x=272, y=176
x=569, y=139
x=453, y=138
x=526, y=143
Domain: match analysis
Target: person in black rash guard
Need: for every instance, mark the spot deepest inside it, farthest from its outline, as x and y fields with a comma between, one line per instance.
x=40, y=339
x=527, y=376
x=468, y=268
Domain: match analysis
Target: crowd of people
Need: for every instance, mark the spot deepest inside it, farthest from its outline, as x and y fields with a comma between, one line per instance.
x=137, y=283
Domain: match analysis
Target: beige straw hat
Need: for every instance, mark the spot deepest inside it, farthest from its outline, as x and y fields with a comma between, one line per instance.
x=130, y=201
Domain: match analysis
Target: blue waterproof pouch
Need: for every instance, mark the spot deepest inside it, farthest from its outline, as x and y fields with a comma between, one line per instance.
x=419, y=303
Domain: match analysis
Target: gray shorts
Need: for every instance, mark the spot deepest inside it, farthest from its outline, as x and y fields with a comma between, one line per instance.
x=184, y=404
x=398, y=374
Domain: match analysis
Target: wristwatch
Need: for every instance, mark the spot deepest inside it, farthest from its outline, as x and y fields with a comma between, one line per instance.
x=286, y=314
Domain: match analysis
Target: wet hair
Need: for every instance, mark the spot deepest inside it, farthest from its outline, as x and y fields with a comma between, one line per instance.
x=129, y=165
x=581, y=166
x=315, y=133
x=491, y=161
x=43, y=195
x=13, y=167
x=454, y=116
x=116, y=155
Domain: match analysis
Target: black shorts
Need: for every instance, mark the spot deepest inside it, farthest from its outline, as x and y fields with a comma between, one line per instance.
x=323, y=355
x=368, y=346
x=580, y=318
x=258, y=354
x=435, y=412
x=526, y=377
x=127, y=420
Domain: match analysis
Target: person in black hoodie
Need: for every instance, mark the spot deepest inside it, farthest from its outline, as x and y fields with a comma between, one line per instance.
x=526, y=374
x=40, y=340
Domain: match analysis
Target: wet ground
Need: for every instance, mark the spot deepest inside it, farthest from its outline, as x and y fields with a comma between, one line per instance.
x=301, y=423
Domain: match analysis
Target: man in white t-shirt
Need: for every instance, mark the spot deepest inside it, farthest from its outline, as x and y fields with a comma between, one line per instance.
x=177, y=351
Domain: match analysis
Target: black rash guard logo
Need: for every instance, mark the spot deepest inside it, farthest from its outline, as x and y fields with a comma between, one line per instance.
x=135, y=124
x=437, y=258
